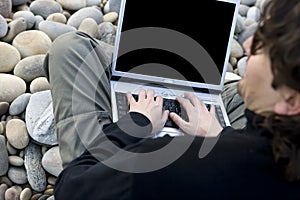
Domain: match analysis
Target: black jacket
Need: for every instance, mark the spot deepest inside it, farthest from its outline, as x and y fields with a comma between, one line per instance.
x=239, y=166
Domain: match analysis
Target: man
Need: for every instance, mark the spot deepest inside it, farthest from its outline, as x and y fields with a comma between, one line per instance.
x=259, y=162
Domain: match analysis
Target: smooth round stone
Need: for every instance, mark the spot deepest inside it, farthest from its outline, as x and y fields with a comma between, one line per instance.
x=3, y=156
x=19, y=104
x=114, y=5
x=5, y=8
x=49, y=191
x=106, y=28
x=248, y=2
x=11, y=87
x=38, y=20
x=26, y=194
x=51, y=198
x=16, y=133
x=57, y=17
x=236, y=49
x=233, y=61
x=35, y=173
x=14, y=28
x=3, y=107
x=253, y=13
x=3, y=188
x=40, y=119
x=249, y=31
x=1, y=129
x=242, y=66
x=11, y=194
x=23, y=7
x=243, y=10
x=11, y=150
x=55, y=29
x=240, y=25
x=110, y=17
x=106, y=8
x=32, y=42
x=3, y=27
x=89, y=12
x=72, y=4
x=15, y=161
x=45, y=8
x=19, y=2
x=44, y=197
x=52, y=162
x=90, y=27
x=39, y=84
x=36, y=196
x=51, y=180
x=28, y=16
x=93, y=2
x=17, y=175
x=30, y=67
x=6, y=181
x=249, y=22
x=9, y=57
x=261, y=4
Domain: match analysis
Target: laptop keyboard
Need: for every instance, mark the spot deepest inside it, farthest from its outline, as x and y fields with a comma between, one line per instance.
x=168, y=104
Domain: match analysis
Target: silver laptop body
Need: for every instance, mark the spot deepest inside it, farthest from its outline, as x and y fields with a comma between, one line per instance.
x=173, y=49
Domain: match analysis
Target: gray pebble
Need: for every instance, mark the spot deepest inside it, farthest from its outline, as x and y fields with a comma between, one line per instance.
x=45, y=8
x=72, y=4
x=3, y=188
x=1, y=129
x=44, y=197
x=89, y=12
x=236, y=49
x=106, y=28
x=40, y=119
x=3, y=27
x=243, y=10
x=249, y=31
x=240, y=25
x=17, y=175
x=51, y=198
x=248, y=2
x=35, y=173
x=11, y=150
x=52, y=162
x=9, y=57
x=19, y=2
x=15, y=161
x=14, y=28
x=19, y=104
x=30, y=67
x=11, y=194
x=253, y=13
x=16, y=133
x=93, y=3
x=3, y=156
x=55, y=29
x=3, y=108
x=242, y=65
x=114, y=5
x=38, y=20
x=51, y=180
x=23, y=7
x=6, y=181
x=28, y=16
x=5, y=8
x=11, y=87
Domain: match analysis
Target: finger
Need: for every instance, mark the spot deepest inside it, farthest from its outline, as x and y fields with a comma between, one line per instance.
x=130, y=98
x=159, y=100
x=182, y=124
x=186, y=104
x=142, y=95
x=193, y=98
x=165, y=116
x=150, y=94
x=212, y=110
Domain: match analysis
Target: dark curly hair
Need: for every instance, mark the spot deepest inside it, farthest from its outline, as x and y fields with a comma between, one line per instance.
x=278, y=35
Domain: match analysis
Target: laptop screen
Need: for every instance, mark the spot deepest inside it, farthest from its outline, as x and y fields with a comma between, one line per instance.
x=176, y=42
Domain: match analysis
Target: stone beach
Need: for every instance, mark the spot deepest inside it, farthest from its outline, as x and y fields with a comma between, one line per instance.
x=29, y=158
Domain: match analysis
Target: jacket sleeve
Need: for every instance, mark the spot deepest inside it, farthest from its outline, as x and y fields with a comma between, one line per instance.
x=87, y=177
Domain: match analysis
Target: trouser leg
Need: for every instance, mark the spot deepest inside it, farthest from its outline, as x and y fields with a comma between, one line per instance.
x=78, y=70
x=234, y=105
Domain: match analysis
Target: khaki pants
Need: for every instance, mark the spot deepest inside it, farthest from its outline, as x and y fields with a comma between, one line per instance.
x=78, y=69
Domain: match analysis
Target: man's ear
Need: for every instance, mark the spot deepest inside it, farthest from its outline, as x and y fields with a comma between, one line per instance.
x=290, y=103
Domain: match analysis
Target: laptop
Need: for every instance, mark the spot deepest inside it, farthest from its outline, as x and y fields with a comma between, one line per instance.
x=173, y=47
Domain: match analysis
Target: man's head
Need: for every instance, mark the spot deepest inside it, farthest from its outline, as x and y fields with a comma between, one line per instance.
x=271, y=82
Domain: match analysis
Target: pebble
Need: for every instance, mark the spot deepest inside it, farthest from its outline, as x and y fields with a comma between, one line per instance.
x=9, y=57
x=23, y=7
x=19, y=2
x=51, y=180
x=28, y=16
x=242, y=65
x=249, y=31
x=253, y=13
x=11, y=87
x=35, y=173
x=3, y=27
x=44, y=197
x=93, y=2
x=16, y=133
x=17, y=175
x=249, y=22
x=89, y=12
x=90, y=27
x=106, y=28
x=55, y=29
x=45, y=8
x=52, y=162
x=240, y=25
x=3, y=108
x=3, y=188
x=114, y=5
x=11, y=194
x=248, y=2
x=243, y=10
x=1, y=129
x=11, y=150
x=57, y=17
x=31, y=43
x=72, y=4
x=5, y=8
x=14, y=28
x=38, y=20
x=30, y=67
x=110, y=17
x=106, y=8
x=6, y=181
x=40, y=119
x=3, y=156
x=39, y=84
x=236, y=49
x=19, y=104
x=15, y=161
x=49, y=191
x=26, y=194
x=51, y=198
